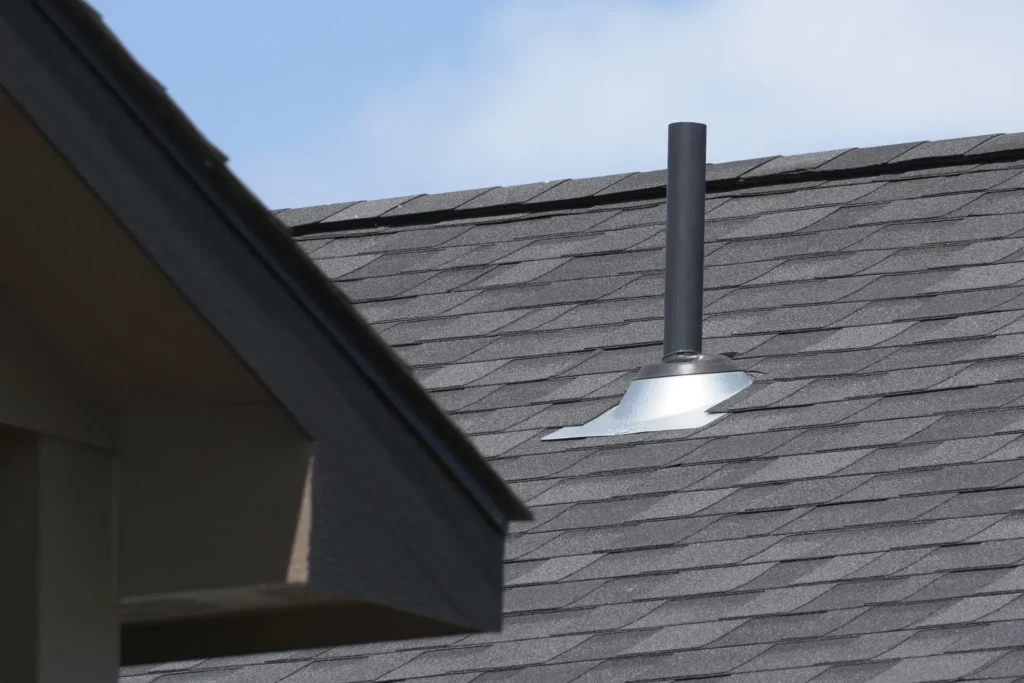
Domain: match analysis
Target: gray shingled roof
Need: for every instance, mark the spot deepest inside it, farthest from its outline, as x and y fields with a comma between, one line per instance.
x=854, y=518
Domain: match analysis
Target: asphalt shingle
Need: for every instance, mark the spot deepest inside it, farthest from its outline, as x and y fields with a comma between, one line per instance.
x=311, y=214
x=789, y=201
x=794, y=163
x=435, y=202
x=998, y=143
x=367, y=209
x=577, y=189
x=516, y=194
x=856, y=515
x=1011, y=202
x=942, y=148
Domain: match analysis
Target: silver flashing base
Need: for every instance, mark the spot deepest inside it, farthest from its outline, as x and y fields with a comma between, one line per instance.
x=676, y=394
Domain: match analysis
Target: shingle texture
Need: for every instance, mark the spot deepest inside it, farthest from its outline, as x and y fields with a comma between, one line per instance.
x=858, y=513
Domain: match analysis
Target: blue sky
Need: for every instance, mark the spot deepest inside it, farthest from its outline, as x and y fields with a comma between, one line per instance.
x=319, y=101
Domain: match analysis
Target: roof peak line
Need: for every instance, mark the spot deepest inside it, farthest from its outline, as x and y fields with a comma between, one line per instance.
x=580, y=193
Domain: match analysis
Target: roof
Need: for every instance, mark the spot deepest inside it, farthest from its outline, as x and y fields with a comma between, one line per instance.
x=855, y=515
x=393, y=476
x=78, y=24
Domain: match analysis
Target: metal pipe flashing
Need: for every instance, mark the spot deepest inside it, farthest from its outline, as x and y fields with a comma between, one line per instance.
x=680, y=391
x=684, y=239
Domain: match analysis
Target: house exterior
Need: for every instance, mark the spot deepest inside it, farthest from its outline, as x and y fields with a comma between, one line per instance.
x=204, y=450
x=852, y=516
x=293, y=505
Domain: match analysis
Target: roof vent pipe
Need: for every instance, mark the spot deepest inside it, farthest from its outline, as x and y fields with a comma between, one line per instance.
x=684, y=238
x=678, y=392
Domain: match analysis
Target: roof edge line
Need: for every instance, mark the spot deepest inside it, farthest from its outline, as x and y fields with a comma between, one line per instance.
x=82, y=28
x=653, y=193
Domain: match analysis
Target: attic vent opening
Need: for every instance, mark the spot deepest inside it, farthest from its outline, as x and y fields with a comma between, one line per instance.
x=678, y=392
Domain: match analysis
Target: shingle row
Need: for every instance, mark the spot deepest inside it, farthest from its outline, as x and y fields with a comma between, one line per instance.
x=843, y=161
x=855, y=516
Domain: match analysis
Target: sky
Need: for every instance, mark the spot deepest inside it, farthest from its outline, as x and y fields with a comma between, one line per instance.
x=323, y=101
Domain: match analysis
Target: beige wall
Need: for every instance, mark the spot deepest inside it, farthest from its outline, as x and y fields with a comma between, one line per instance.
x=210, y=499
x=72, y=272
x=59, y=620
x=98, y=347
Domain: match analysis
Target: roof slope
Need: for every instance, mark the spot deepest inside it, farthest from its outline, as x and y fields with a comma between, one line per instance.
x=853, y=519
x=394, y=478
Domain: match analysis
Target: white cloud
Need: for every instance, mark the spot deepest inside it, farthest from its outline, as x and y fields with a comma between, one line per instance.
x=587, y=89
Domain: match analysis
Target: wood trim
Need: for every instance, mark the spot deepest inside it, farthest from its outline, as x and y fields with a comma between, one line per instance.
x=59, y=620
x=289, y=628
x=391, y=524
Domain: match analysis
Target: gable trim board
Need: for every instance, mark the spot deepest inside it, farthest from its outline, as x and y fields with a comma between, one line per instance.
x=250, y=223
x=406, y=517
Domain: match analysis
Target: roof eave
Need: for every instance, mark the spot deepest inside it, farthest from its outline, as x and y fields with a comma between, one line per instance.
x=253, y=223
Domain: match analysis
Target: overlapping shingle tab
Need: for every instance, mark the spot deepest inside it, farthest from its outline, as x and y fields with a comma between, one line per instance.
x=857, y=516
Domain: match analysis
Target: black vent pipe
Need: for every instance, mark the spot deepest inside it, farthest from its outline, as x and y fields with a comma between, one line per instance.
x=684, y=239
x=680, y=391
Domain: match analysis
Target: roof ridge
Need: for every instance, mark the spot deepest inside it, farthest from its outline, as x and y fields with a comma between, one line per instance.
x=837, y=164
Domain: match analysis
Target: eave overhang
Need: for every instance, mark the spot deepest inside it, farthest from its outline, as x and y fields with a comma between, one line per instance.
x=386, y=516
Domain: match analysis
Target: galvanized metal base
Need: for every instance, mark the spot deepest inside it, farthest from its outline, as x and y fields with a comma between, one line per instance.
x=674, y=394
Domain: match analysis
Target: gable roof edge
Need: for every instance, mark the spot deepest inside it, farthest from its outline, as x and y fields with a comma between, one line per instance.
x=83, y=30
